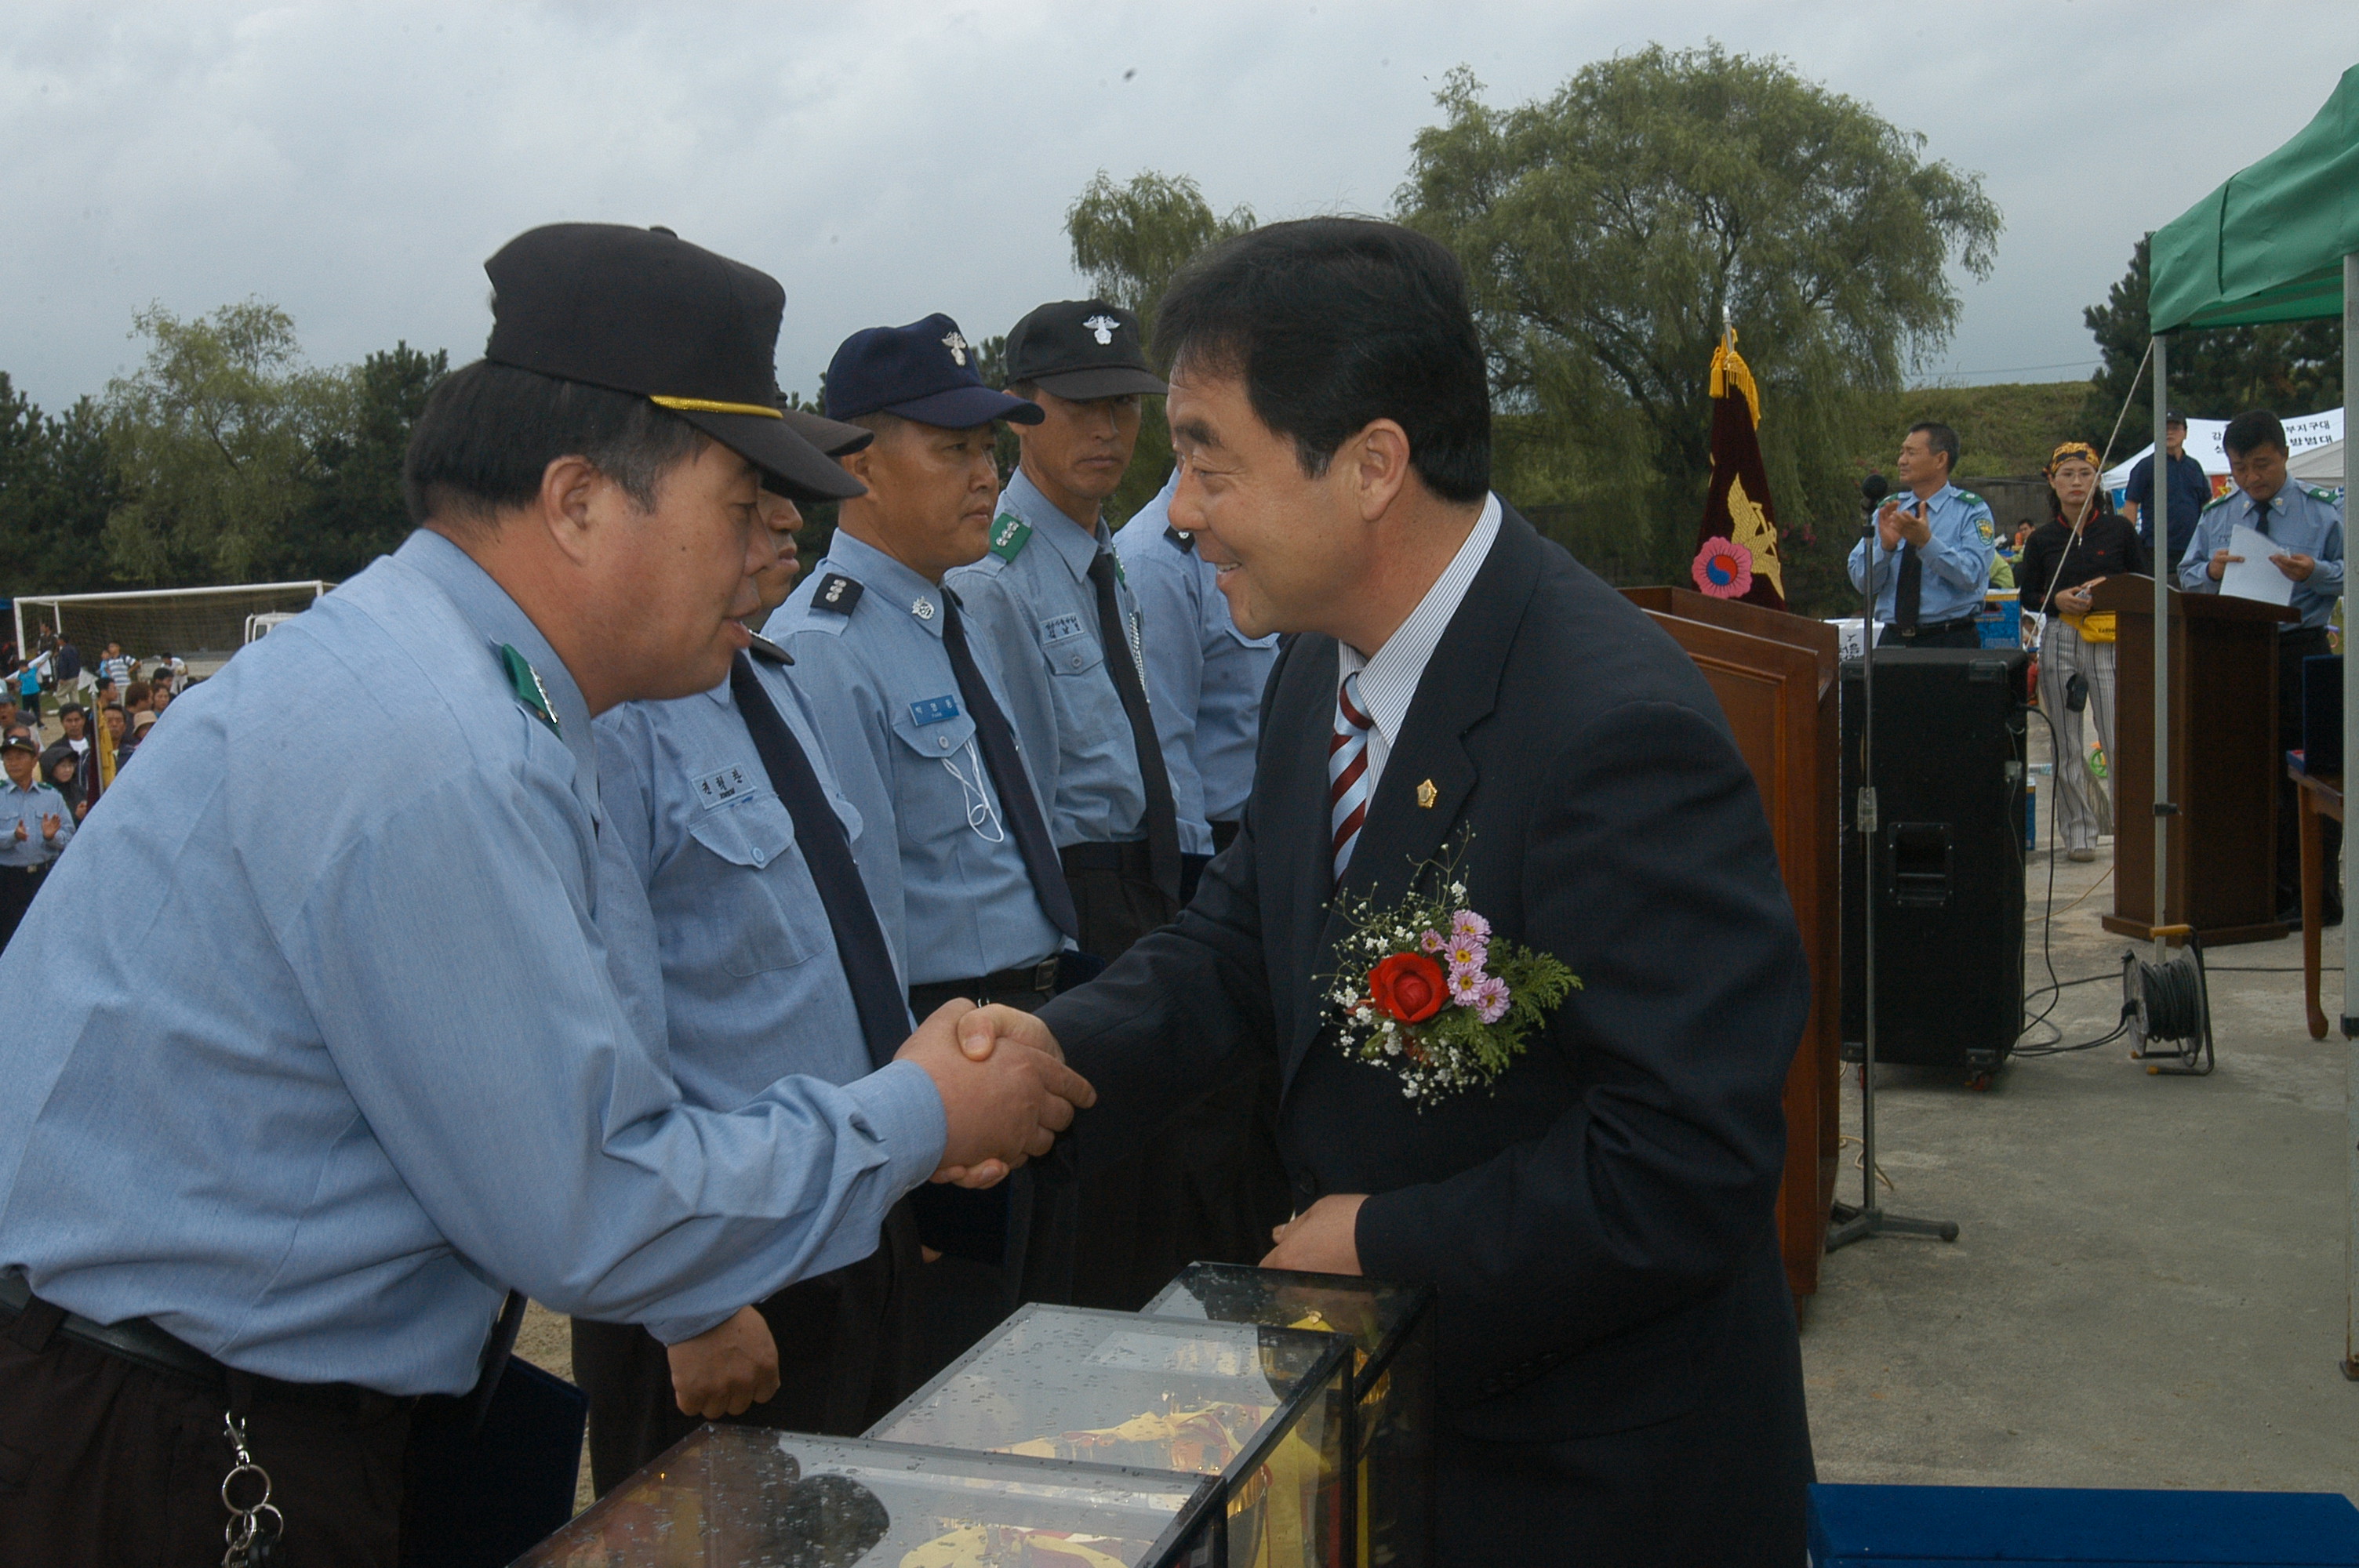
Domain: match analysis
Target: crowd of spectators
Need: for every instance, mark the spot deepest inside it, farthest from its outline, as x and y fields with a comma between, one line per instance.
x=100, y=714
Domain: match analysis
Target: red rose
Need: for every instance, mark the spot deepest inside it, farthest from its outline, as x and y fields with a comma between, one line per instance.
x=1409, y=986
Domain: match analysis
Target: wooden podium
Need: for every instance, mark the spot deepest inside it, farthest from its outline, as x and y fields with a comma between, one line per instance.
x=2223, y=764
x=1774, y=675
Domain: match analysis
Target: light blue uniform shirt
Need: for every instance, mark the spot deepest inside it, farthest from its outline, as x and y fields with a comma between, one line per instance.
x=2299, y=521
x=1204, y=677
x=25, y=807
x=379, y=1072
x=1032, y=601
x=881, y=689
x=1957, y=560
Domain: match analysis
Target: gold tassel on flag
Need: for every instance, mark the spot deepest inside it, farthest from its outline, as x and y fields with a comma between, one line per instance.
x=1736, y=546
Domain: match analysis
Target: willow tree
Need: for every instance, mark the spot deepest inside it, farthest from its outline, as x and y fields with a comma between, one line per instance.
x=1611, y=231
x=216, y=437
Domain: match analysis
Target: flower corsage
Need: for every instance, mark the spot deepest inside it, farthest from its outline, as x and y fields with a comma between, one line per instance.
x=1427, y=991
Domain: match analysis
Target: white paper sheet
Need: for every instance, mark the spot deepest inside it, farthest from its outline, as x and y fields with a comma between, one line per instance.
x=2254, y=577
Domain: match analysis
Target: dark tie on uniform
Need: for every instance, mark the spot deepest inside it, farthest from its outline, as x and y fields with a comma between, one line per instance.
x=1162, y=816
x=1908, y=590
x=818, y=834
x=997, y=739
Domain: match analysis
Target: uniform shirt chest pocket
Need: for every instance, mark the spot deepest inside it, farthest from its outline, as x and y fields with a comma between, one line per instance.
x=1067, y=645
x=755, y=915
x=939, y=747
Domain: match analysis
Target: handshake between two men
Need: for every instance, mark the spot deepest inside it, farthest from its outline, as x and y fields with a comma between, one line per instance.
x=1005, y=1092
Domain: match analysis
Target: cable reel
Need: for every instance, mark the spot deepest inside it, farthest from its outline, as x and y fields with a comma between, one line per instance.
x=2167, y=1010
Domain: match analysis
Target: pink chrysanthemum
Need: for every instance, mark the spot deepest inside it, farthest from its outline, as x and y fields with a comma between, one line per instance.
x=1468, y=953
x=1466, y=922
x=1492, y=996
x=1466, y=985
x=1432, y=942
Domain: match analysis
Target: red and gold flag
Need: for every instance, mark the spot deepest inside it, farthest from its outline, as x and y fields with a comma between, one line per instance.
x=1736, y=548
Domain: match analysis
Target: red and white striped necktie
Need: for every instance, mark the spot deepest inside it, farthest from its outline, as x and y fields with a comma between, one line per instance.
x=1347, y=773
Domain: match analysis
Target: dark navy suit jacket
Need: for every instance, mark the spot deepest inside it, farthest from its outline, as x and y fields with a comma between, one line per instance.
x=1620, y=1380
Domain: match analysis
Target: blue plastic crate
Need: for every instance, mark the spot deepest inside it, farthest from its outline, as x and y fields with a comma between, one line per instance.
x=1918, y=1526
x=2000, y=624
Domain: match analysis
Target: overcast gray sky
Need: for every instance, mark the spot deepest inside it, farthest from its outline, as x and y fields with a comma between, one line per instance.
x=355, y=163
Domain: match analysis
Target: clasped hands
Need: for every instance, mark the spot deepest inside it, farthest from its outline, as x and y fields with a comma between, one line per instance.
x=1893, y=524
x=1000, y=1108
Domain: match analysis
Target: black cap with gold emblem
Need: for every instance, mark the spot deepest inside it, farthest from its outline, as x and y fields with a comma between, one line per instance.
x=642, y=310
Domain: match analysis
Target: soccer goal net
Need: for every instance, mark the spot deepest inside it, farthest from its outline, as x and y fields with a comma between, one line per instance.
x=201, y=625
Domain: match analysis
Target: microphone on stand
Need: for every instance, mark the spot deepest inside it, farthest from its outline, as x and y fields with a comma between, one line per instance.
x=1873, y=488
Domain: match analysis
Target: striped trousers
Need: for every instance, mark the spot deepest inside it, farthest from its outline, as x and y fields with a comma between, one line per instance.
x=2063, y=655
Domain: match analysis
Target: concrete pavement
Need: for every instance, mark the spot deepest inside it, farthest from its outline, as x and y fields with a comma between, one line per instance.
x=2147, y=1289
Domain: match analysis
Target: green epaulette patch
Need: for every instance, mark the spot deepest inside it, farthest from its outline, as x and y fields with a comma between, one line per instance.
x=2319, y=493
x=1971, y=499
x=2218, y=501
x=1009, y=534
x=526, y=681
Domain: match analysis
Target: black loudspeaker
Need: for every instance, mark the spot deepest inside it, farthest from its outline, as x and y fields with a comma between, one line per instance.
x=1949, y=779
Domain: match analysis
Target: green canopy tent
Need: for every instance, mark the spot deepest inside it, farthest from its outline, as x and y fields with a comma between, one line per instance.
x=2279, y=242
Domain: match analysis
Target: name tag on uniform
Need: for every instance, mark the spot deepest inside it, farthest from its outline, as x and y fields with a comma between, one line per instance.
x=1058, y=626
x=934, y=709
x=727, y=785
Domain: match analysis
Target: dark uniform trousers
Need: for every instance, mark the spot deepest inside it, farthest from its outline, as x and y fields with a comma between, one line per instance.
x=107, y=1462
x=17, y=886
x=2294, y=646
x=848, y=1352
x=1025, y=1225
x=1208, y=1187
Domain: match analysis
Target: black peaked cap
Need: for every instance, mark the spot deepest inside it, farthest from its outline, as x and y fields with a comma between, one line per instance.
x=1082, y=348
x=642, y=310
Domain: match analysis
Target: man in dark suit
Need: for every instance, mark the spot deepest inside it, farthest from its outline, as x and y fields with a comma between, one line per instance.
x=1620, y=1378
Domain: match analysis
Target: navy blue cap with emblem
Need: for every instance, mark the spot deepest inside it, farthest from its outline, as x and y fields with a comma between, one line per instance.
x=925, y=371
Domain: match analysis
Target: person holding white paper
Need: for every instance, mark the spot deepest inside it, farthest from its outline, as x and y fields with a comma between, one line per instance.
x=2302, y=530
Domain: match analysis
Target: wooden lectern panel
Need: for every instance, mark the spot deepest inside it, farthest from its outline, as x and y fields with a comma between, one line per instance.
x=1774, y=675
x=2223, y=764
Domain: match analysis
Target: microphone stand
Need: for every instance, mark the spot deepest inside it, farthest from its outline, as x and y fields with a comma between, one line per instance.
x=1870, y=1218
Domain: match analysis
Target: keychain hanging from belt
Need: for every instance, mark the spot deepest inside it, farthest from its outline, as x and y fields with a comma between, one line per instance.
x=255, y=1524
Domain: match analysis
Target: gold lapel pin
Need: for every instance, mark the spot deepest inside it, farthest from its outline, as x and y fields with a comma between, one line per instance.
x=1427, y=795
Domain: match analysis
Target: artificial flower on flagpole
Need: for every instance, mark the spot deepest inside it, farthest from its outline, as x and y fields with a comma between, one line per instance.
x=1736, y=546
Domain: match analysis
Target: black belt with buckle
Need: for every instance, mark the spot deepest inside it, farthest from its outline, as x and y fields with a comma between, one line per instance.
x=1040, y=977
x=1937, y=627
x=31, y=1321
x=134, y=1339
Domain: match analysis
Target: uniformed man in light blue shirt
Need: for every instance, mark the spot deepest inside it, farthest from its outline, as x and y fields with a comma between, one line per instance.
x=381, y=1074
x=1931, y=558
x=35, y=827
x=1051, y=601
x=721, y=939
x=2306, y=527
x=1203, y=678
x=1069, y=635
x=897, y=680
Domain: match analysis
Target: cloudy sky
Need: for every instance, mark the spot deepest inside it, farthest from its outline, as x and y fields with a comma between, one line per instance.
x=355, y=163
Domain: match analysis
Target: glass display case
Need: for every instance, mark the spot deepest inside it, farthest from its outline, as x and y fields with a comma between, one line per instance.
x=1264, y=1408
x=740, y=1496
x=1391, y=1329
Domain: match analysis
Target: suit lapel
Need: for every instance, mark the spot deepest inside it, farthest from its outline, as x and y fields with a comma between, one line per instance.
x=1459, y=689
